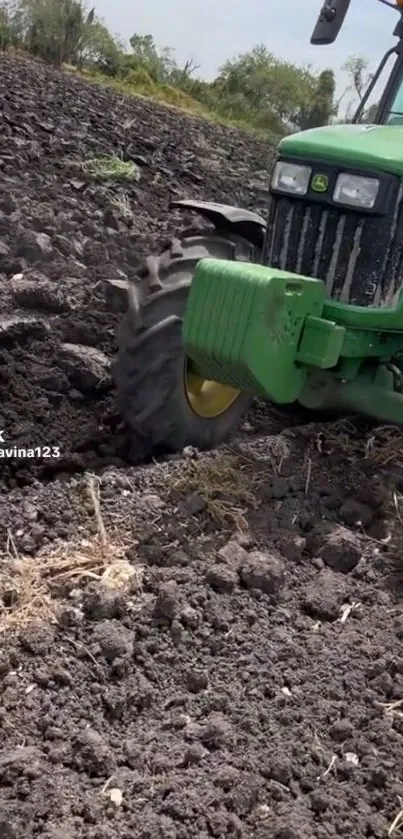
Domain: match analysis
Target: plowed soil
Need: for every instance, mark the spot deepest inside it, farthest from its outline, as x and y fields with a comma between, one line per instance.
x=207, y=646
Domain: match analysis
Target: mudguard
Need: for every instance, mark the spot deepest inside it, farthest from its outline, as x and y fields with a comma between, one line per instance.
x=225, y=218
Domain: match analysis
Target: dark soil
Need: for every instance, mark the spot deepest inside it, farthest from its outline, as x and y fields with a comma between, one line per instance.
x=205, y=647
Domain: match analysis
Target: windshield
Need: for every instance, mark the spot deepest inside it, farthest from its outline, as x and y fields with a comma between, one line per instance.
x=395, y=115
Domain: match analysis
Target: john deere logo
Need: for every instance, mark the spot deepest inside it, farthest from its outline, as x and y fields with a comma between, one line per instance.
x=320, y=183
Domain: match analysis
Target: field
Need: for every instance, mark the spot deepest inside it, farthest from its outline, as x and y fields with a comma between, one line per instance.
x=202, y=646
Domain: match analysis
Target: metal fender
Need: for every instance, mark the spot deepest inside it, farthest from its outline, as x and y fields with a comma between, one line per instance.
x=225, y=218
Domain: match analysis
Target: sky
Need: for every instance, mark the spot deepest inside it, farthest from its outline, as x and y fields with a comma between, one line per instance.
x=211, y=31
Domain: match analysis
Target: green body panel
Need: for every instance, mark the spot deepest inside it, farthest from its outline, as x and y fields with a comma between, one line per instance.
x=273, y=334
x=358, y=146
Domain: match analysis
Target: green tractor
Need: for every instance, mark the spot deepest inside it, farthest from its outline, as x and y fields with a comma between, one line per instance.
x=305, y=308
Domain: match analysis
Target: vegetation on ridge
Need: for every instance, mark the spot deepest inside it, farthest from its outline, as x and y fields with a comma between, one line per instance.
x=255, y=88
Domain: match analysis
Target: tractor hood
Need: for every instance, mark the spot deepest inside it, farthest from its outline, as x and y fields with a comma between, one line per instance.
x=359, y=146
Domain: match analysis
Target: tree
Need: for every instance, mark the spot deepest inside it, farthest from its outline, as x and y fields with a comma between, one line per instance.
x=323, y=107
x=11, y=24
x=58, y=31
x=356, y=68
x=159, y=64
x=262, y=84
x=100, y=50
x=182, y=76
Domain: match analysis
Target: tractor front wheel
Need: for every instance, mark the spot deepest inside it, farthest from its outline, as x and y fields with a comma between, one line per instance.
x=161, y=397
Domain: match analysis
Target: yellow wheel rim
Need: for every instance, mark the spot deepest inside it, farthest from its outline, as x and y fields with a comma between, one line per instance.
x=208, y=399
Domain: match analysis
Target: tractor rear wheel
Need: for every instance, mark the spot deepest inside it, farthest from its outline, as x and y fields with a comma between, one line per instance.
x=160, y=397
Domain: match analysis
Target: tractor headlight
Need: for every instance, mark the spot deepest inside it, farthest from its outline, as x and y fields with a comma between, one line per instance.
x=291, y=178
x=355, y=191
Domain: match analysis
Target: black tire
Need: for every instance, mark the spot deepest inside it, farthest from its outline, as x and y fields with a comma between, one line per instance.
x=149, y=372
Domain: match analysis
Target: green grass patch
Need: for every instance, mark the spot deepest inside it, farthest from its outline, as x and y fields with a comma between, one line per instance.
x=110, y=168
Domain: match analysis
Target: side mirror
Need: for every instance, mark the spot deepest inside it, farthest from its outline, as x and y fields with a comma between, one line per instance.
x=329, y=22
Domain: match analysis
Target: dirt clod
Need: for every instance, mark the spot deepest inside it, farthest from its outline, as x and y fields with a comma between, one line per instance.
x=324, y=597
x=291, y=545
x=113, y=640
x=38, y=639
x=355, y=513
x=93, y=752
x=197, y=681
x=339, y=548
x=221, y=578
x=263, y=571
x=166, y=604
x=341, y=730
x=233, y=553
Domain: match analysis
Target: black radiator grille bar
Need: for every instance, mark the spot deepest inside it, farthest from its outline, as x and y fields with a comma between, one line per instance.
x=359, y=257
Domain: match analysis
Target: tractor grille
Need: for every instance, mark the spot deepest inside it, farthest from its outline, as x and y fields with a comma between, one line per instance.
x=359, y=257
